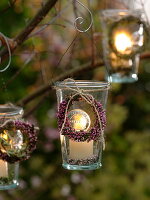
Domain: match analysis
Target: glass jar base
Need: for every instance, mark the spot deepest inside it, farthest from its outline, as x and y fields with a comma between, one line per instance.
x=9, y=187
x=82, y=167
x=117, y=78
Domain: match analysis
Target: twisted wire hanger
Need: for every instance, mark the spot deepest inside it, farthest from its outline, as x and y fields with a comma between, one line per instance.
x=9, y=52
x=82, y=20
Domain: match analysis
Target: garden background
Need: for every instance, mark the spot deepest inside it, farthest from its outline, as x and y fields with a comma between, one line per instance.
x=55, y=50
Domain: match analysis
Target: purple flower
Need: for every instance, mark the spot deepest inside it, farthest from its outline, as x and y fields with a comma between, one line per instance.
x=29, y=133
x=81, y=136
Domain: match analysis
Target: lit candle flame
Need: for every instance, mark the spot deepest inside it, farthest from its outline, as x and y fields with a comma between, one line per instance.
x=4, y=135
x=13, y=142
x=3, y=164
x=123, y=42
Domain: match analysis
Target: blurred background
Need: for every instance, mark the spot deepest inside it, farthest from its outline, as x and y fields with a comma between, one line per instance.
x=52, y=49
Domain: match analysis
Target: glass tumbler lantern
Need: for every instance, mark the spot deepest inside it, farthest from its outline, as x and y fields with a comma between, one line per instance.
x=124, y=37
x=80, y=154
x=9, y=172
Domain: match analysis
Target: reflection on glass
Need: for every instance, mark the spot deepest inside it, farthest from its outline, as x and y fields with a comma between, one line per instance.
x=124, y=36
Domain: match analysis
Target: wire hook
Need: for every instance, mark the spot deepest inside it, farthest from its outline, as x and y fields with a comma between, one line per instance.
x=81, y=19
x=9, y=51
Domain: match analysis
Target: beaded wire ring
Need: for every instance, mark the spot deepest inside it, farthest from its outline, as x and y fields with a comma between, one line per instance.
x=80, y=136
x=28, y=131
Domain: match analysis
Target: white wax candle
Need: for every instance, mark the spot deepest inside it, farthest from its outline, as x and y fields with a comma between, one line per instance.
x=61, y=139
x=3, y=169
x=80, y=150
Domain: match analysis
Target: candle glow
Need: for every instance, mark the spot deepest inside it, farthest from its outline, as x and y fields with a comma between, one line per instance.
x=4, y=136
x=123, y=42
x=79, y=120
x=3, y=164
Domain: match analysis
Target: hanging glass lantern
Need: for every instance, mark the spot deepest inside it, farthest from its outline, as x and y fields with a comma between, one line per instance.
x=124, y=37
x=17, y=141
x=81, y=122
x=8, y=171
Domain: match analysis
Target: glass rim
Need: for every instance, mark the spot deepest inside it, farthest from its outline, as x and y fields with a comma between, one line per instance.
x=83, y=84
x=10, y=110
x=113, y=12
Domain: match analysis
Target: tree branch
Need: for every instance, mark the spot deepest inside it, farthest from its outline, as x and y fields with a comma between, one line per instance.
x=78, y=70
x=47, y=87
x=34, y=108
x=145, y=55
x=35, y=21
x=30, y=27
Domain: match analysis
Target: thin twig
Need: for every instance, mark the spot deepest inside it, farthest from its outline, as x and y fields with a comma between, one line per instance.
x=35, y=21
x=43, y=71
x=10, y=5
x=19, y=71
x=30, y=27
x=34, y=108
x=73, y=41
x=41, y=90
x=49, y=23
x=145, y=55
x=72, y=72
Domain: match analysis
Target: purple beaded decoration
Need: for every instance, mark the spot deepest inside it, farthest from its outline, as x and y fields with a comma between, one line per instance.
x=29, y=133
x=80, y=136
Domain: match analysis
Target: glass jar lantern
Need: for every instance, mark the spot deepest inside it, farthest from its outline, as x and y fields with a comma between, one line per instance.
x=79, y=98
x=9, y=172
x=124, y=37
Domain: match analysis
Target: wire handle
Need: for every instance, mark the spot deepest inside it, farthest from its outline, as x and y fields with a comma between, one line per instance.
x=81, y=19
x=9, y=51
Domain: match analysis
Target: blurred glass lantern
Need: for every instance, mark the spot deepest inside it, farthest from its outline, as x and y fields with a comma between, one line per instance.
x=124, y=37
x=8, y=171
x=81, y=122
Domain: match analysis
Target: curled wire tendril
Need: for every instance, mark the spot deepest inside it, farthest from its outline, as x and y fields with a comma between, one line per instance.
x=80, y=20
x=9, y=52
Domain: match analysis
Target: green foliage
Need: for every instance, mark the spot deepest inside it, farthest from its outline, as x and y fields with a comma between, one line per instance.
x=125, y=174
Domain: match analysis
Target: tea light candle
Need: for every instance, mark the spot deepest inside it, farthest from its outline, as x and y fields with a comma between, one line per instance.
x=80, y=150
x=80, y=120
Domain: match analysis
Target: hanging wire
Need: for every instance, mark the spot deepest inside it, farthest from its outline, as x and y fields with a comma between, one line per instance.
x=9, y=51
x=75, y=22
x=83, y=31
x=82, y=20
